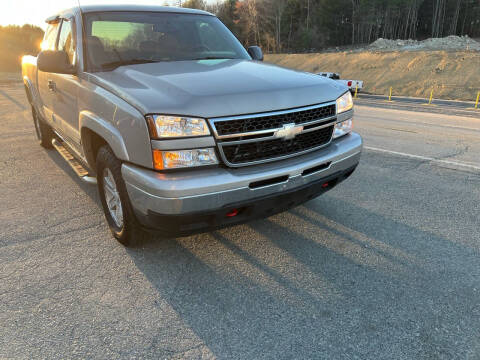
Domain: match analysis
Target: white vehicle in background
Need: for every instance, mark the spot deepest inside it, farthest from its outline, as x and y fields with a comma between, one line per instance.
x=353, y=85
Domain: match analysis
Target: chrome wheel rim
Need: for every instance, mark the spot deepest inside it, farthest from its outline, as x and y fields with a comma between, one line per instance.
x=112, y=198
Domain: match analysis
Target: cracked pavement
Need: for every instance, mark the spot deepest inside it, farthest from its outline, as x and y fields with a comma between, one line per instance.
x=385, y=266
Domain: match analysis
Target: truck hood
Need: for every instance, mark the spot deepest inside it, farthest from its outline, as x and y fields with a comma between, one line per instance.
x=215, y=88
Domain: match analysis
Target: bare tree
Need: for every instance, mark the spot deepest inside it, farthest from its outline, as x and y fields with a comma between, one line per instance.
x=438, y=17
x=355, y=5
x=454, y=23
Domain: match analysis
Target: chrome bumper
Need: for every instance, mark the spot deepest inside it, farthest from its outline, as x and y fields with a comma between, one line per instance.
x=206, y=189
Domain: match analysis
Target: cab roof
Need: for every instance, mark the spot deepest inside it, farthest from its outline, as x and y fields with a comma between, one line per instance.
x=127, y=8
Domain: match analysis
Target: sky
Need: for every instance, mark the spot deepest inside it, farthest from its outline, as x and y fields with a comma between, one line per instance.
x=19, y=12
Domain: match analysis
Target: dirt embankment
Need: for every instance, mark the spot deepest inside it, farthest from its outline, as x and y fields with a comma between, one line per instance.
x=452, y=74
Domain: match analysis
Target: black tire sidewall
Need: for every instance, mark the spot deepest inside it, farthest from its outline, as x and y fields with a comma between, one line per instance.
x=43, y=131
x=36, y=123
x=117, y=232
x=125, y=234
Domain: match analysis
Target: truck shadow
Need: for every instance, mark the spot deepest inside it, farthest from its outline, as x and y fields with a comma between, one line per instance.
x=284, y=286
x=89, y=189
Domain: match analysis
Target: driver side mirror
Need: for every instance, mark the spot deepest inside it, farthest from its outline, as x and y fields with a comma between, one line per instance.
x=51, y=61
x=256, y=53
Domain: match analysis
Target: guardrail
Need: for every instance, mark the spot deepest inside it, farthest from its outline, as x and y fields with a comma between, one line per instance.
x=430, y=99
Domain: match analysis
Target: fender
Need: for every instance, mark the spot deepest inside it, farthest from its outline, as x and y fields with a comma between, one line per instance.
x=31, y=91
x=107, y=131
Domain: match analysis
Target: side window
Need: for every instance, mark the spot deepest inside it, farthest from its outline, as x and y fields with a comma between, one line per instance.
x=50, y=38
x=65, y=41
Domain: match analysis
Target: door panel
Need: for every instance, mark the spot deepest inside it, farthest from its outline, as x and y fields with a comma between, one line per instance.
x=66, y=94
x=47, y=95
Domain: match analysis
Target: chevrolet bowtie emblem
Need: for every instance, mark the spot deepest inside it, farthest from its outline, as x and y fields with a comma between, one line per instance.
x=288, y=131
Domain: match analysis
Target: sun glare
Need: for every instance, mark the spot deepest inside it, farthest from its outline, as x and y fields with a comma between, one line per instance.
x=43, y=45
x=21, y=12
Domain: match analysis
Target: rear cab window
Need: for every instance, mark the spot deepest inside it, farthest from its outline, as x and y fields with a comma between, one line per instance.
x=210, y=38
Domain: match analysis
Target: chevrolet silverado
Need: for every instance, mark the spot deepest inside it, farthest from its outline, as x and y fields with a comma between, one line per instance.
x=183, y=129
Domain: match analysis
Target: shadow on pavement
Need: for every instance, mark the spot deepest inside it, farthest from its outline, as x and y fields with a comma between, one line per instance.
x=315, y=283
x=89, y=189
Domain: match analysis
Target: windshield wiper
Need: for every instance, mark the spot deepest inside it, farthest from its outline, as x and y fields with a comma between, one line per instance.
x=115, y=64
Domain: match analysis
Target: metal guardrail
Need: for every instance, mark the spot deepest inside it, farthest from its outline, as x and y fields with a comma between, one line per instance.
x=451, y=107
x=430, y=99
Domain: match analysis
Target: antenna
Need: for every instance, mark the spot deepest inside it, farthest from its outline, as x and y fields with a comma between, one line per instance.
x=79, y=6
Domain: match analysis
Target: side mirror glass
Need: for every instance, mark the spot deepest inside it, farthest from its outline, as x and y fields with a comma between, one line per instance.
x=54, y=62
x=256, y=53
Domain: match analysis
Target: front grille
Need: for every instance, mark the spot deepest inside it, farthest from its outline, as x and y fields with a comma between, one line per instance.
x=258, y=138
x=260, y=123
x=258, y=151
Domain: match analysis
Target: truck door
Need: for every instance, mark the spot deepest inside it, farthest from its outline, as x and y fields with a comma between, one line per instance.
x=65, y=107
x=45, y=85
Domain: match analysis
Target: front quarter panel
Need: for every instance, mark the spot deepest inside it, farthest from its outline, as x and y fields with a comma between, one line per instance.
x=122, y=126
x=29, y=72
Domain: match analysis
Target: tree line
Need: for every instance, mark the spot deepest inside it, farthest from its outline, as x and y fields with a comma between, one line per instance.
x=16, y=41
x=306, y=25
x=303, y=25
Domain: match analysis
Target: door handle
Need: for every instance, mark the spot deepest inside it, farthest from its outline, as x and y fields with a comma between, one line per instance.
x=51, y=85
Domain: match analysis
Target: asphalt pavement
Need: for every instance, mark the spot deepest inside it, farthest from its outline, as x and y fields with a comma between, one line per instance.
x=384, y=266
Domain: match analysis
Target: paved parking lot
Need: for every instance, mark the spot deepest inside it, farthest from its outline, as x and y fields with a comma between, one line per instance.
x=385, y=266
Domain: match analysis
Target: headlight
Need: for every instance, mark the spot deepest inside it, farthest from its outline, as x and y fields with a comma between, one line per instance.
x=344, y=102
x=177, y=159
x=343, y=128
x=176, y=126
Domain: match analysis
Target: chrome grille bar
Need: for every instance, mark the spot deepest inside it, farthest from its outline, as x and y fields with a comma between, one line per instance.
x=262, y=115
x=266, y=137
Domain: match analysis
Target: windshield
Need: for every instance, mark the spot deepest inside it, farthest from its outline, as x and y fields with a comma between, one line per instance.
x=120, y=38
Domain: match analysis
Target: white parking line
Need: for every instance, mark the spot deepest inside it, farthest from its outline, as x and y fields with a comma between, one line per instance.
x=425, y=158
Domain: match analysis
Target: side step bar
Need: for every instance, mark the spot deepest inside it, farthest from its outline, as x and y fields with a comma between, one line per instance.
x=73, y=162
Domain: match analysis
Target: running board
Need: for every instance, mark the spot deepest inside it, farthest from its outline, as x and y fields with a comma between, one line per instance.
x=81, y=172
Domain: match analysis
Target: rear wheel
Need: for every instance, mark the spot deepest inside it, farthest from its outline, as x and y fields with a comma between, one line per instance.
x=115, y=201
x=43, y=131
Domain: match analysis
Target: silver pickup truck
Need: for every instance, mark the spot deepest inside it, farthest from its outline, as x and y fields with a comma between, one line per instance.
x=182, y=129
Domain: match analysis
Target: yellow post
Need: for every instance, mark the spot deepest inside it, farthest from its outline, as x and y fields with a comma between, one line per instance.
x=356, y=91
x=390, y=96
x=431, y=98
x=476, y=102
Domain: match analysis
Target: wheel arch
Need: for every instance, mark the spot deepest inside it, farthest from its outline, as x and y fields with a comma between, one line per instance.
x=95, y=133
x=28, y=89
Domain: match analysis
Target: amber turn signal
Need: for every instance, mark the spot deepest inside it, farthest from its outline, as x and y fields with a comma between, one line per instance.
x=158, y=160
x=178, y=159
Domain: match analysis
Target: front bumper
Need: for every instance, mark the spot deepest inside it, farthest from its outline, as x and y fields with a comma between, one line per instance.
x=163, y=197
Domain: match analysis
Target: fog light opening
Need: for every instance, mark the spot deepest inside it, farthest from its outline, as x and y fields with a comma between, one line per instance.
x=233, y=213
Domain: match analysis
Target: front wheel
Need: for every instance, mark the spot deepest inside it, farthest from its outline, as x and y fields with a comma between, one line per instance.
x=43, y=131
x=115, y=201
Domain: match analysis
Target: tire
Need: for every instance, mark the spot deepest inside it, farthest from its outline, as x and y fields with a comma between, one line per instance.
x=115, y=201
x=43, y=131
